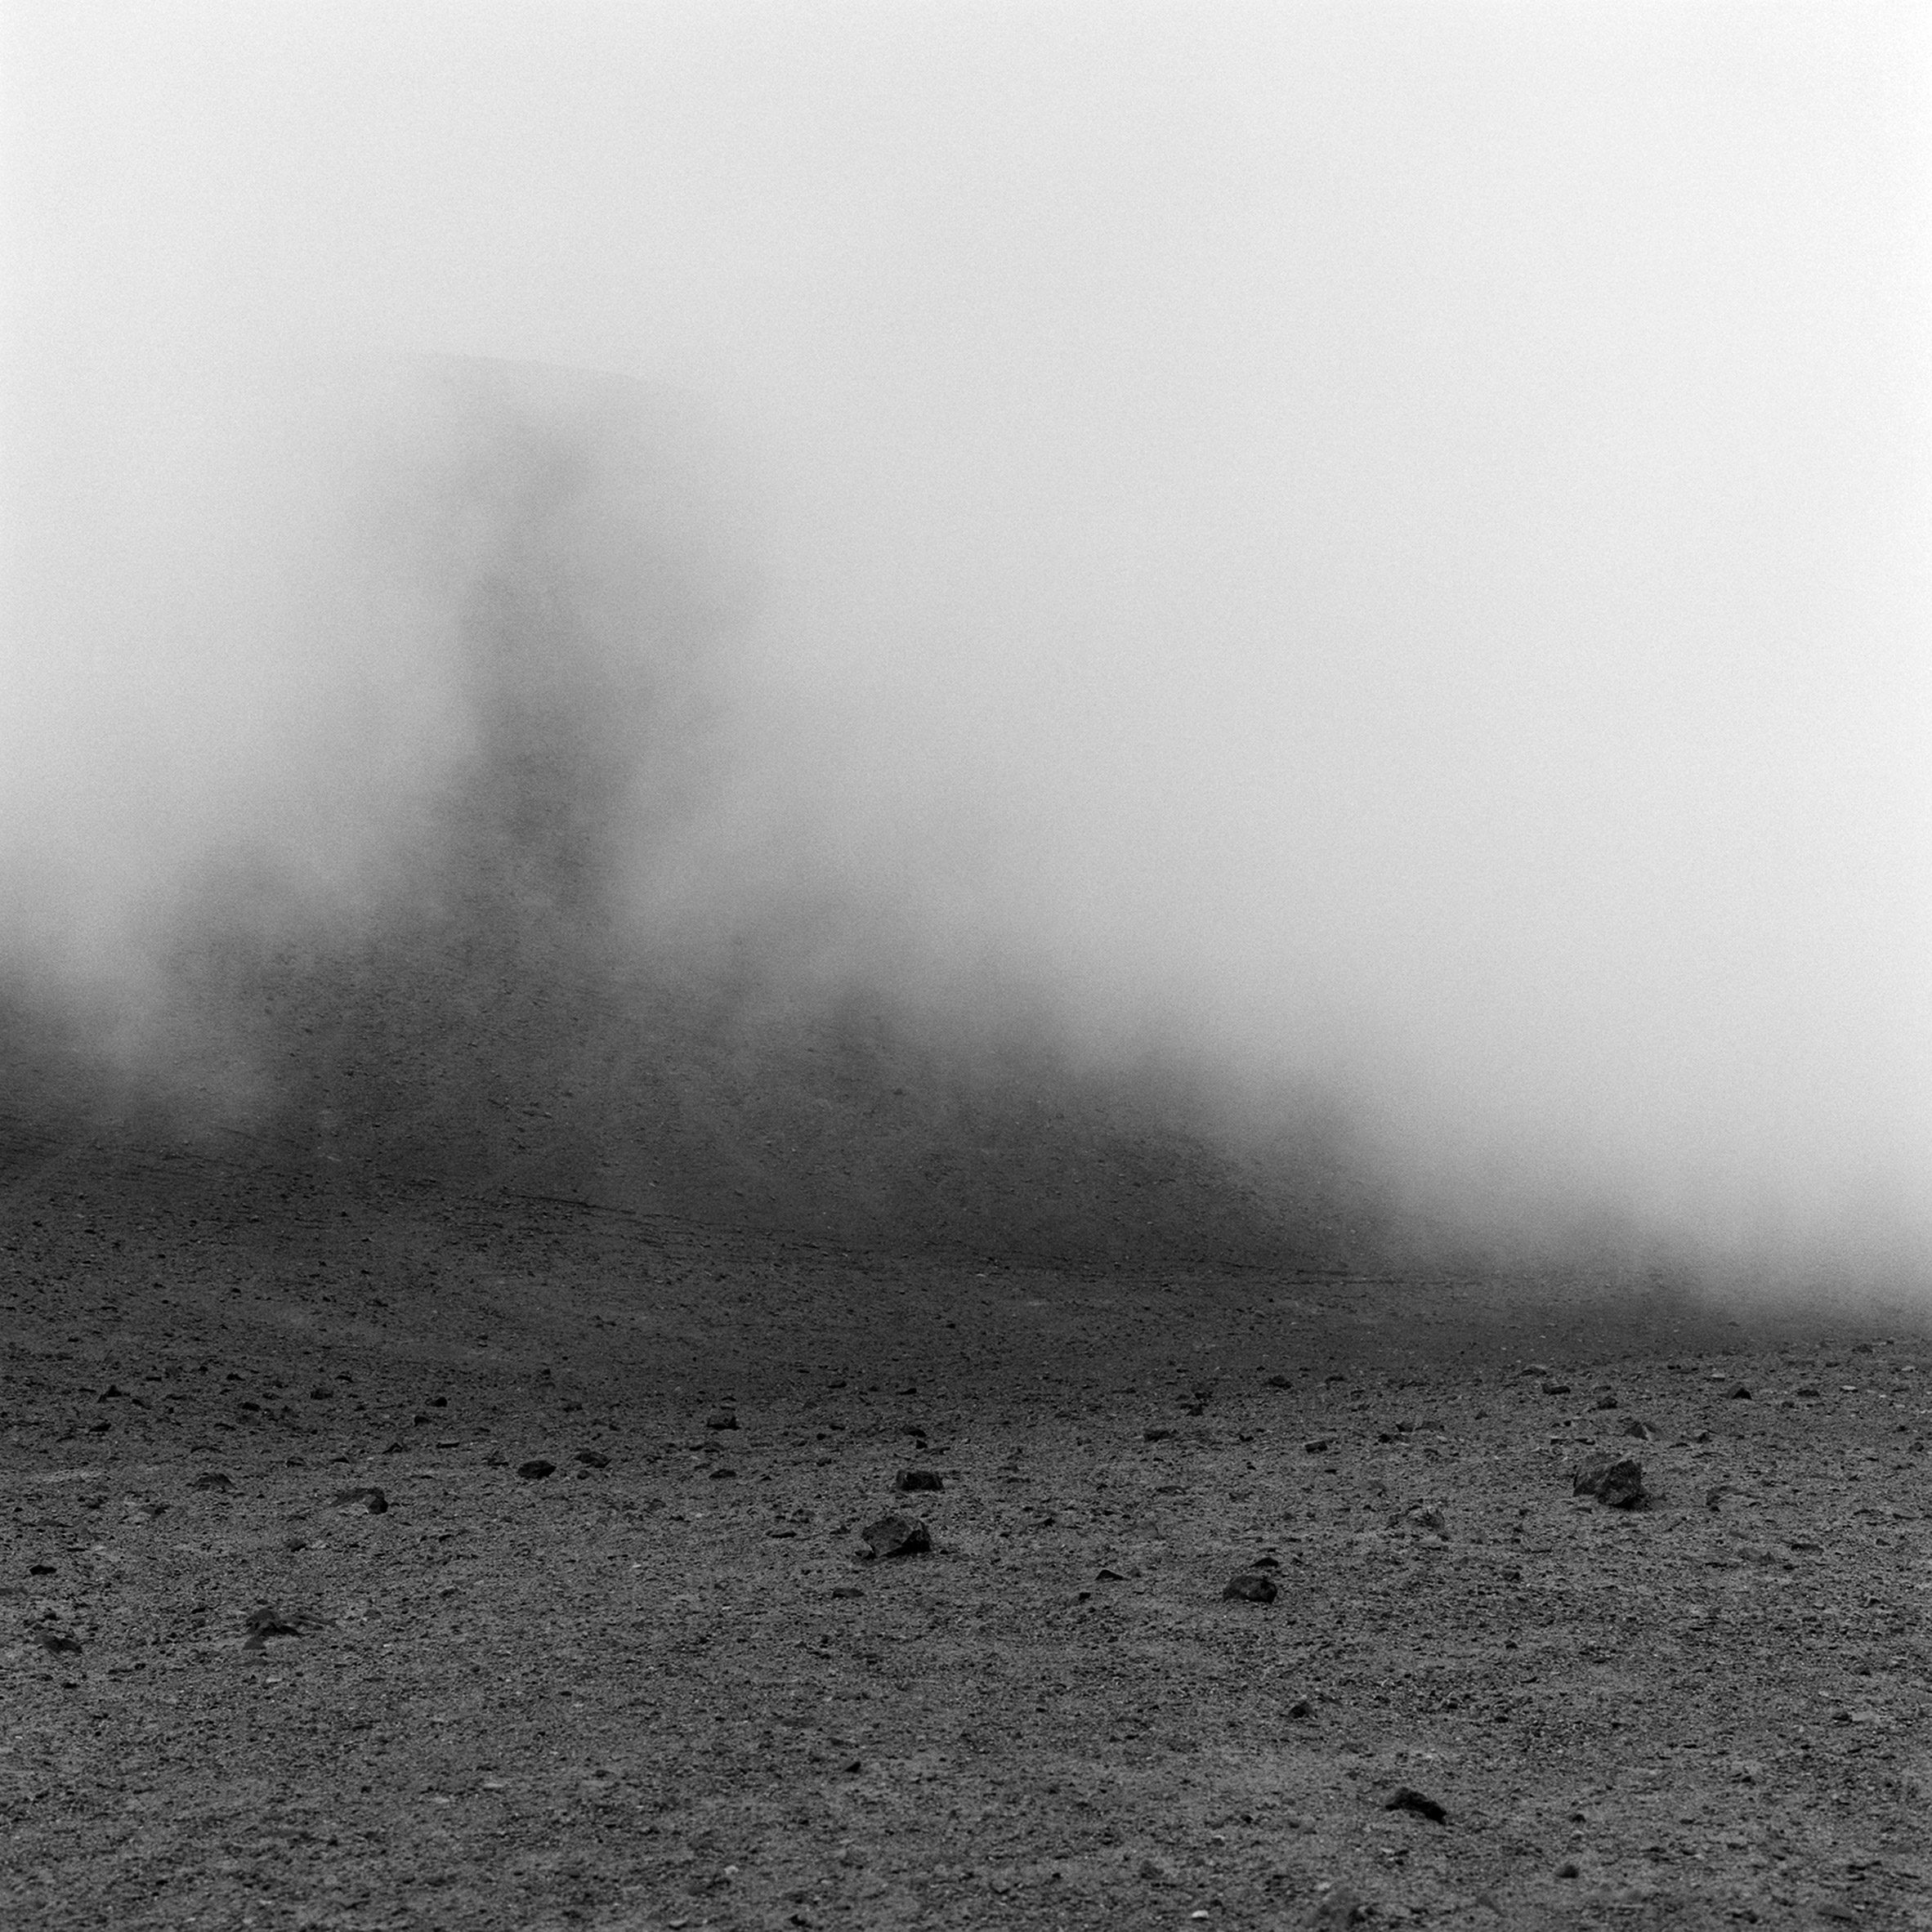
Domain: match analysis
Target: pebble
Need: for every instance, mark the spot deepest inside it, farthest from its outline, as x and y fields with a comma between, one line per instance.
x=1250, y=1586
x=1615, y=1480
x=593, y=1459
x=1404, y=1798
x=911, y=1479
x=898, y=1535
x=368, y=1498
x=535, y=1469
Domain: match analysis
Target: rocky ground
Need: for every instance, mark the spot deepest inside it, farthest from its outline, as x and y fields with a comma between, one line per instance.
x=661, y=1685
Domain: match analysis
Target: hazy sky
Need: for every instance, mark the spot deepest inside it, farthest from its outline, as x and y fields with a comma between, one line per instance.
x=1385, y=541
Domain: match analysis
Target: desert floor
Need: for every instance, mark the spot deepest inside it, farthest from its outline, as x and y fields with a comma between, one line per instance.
x=663, y=1686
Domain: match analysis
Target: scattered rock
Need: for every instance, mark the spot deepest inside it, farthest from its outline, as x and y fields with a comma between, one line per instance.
x=1422, y=1517
x=1316, y=1446
x=1615, y=1480
x=40, y=1569
x=267, y=1622
x=724, y=1475
x=1339, y=1905
x=535, y=1469
x=1250, y=1586
x=367, y=1497
x=1809, y=1393
x=722, y=1419
x=911, y=1479
x=593, y=1459
x=1567, y=1869
x=1556, y=1389
x=1633, y=1427
x=1737, y=1392
x=1302, y=1710
x=1404, y=1798
x=1158, y=1435
x=898, y=1535
x=845, y=1590
x=1154, y=1872
x=57, y=1642
x=1604, y=1401
x=1714, y=1496
x=1278, y=1382
x=213, y=1479
x=1534, y=1368
x=394, y=1449
x=1104, y=1575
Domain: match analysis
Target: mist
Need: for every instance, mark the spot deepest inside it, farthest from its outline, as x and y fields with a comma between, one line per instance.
x=1373, y=557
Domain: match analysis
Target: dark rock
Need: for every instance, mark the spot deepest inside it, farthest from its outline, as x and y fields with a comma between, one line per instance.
x=213, y=1479
x=1556, y=1389
x=1159, y=1435
x=593, y=1459
x=724, y=1475
x=1737, y=1392
x=1266, y=1563
x=394, y=1449
x=535, y=1469
x=1104, y=1575
x=57, y=1642
x=1278, y=1382
x=108, y=1394
x=267, y=1622
x=40, y=1569
x=1615, y=1480
x=898, y=1535
x=845, y=1590
x=722, y=1419
x=1404, y=1799
x=910, y=1479
x=319, y=1394
x=1250, y=1586
x=1338, y=1906
x=1605, y=1400
x=1317, y=1447
x=1633, y=1427
x=1809, y=1393
x=1301, y=1710
x=367, y=1497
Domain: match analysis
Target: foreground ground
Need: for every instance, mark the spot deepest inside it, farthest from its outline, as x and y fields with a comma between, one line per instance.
x=661, y=1687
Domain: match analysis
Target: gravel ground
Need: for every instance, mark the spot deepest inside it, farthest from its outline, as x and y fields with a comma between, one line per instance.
x=663, y=1685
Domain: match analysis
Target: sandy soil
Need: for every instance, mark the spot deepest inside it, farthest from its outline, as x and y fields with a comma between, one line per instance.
x=662, y=1686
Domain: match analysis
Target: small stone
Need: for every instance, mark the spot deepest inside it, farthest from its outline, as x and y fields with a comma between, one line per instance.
x=1158, y=1435
x=1250, y=1586
x=40, y=1569
x=911, y=1479
x=1316, y=1446
x=1605, y=1400
x=1567, y=1869
x=1403, y=1798
x=1617, y=1481
x=724, y=1475
x=898, y=1535
x=265, y=1623
x=57, y=1642
x=535, y=1469
x=1278, y=1382
x=1738, y=1394
x=1104, y=1575
x=722, y=1419
x=1632, y=1427
x=213, y=1479
x=1556, y=1389
x=1338, y=1906
x=593, y=1458
x=394, y=1449
x=1301, y=1710
x=1534, y=1368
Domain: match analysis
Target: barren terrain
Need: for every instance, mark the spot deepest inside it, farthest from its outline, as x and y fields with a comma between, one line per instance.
x=663, y=1686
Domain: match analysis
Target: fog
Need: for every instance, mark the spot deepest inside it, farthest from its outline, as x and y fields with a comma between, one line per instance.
x=1378, y=553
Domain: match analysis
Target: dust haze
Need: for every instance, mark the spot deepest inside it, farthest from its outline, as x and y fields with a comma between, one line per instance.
x=1366, y=565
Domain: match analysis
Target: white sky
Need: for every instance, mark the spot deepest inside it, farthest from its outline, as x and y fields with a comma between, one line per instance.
x=1391, y=539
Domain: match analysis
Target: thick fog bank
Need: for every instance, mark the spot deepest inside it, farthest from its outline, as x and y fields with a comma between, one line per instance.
x=1348, y=585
